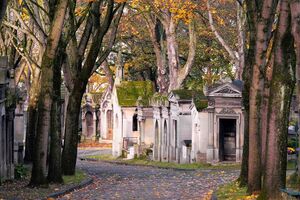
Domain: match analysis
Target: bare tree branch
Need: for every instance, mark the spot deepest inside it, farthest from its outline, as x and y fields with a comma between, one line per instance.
x=231, y=53
x=25, y=28
x=21, y=51
x=103, y=54
x=191, y=56
x=36, y=21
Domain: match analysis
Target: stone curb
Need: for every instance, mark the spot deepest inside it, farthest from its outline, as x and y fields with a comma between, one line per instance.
x=82, y=184
x=131, y=164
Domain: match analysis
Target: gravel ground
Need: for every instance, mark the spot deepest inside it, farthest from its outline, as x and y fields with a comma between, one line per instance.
x=112, y=181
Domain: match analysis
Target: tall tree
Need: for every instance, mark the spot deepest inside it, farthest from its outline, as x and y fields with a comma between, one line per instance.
x=168, y=15
x=84, y=59
x=236, y=53
x=265, y=13
x=45, y=97
x=28, y=24
x=55, y=169
x=282, y=83
x=295, y=13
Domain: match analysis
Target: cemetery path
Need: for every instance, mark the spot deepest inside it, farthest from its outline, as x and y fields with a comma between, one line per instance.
x=112, y=181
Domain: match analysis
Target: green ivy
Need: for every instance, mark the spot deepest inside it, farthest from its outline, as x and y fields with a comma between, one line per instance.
x=20, y=171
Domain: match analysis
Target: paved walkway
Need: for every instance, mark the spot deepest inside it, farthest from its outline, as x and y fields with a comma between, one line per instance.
x=83, y=152
x=114, y=181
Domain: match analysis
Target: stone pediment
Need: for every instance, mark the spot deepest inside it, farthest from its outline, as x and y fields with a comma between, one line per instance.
x=227, y=90
x=172, y=98
x=227, y=111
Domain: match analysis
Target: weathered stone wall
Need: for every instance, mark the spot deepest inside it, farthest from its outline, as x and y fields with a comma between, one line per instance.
x=6, y=126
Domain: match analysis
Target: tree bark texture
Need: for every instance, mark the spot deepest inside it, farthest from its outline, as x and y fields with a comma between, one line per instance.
x=247, y=82
x=237, y=56
x=173, y=57
x=30, y=132
x=263, y=29
x=241, y=42
x=55, y=165
x=71, y=128
x=45, y=97
x=295, y=20
x=157, y=35
x=282, y=85
x=34, y=89
x=177, y=74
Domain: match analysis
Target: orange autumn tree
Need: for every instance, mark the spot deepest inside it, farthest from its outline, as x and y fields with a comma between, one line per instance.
x=162, y=20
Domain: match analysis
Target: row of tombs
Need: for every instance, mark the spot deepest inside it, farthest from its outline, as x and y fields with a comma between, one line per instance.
x=183, y=127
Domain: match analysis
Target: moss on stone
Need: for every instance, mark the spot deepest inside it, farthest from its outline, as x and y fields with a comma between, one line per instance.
x=200, y=100
x=184, y=94
x=129, y=92
x=159, y=99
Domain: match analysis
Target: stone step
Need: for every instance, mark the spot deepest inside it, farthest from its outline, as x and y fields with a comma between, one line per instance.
x=91, y=143
x=105, y=141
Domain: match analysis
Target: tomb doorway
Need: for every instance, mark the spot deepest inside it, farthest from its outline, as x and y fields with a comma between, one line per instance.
x=227, y=139
x=156, y=142
x=89, y=124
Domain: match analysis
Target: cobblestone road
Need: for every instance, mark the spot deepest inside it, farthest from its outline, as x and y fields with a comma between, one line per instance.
x=112, y=181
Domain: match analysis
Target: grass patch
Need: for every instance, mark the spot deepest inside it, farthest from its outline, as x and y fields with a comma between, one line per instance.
x=233, y=191
x=18, y=188
x=77, y=178
x=291, y=164
x=107, y=157
x=146, y=162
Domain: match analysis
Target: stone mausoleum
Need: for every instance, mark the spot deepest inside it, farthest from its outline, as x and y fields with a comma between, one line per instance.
x=183, y=126
x=217, y=130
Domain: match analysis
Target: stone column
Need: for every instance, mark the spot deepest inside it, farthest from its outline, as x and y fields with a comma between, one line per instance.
x=216, y=125
x=94, y=125
x=239, y=138
x=84, y=127
x=210, y=148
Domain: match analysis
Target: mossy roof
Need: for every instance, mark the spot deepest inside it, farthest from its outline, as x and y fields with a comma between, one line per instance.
x=128, y=92
x=183, y=94
x=200, y=100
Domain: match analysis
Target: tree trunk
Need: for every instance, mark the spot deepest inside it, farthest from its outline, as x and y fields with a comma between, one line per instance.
x=295, y=11
x=30, y=132
x=282, y=85
x=43, y=125
x=45, y=97
x=32, y=117
x=241, y=42
x=178, y=74
x=247, y=81
x=263, y=30
x=71, y=128
x=109, y=74
x=264, y=114
x=173, y=58
x=3, y=5
x=157, y=35
x=55, y=169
